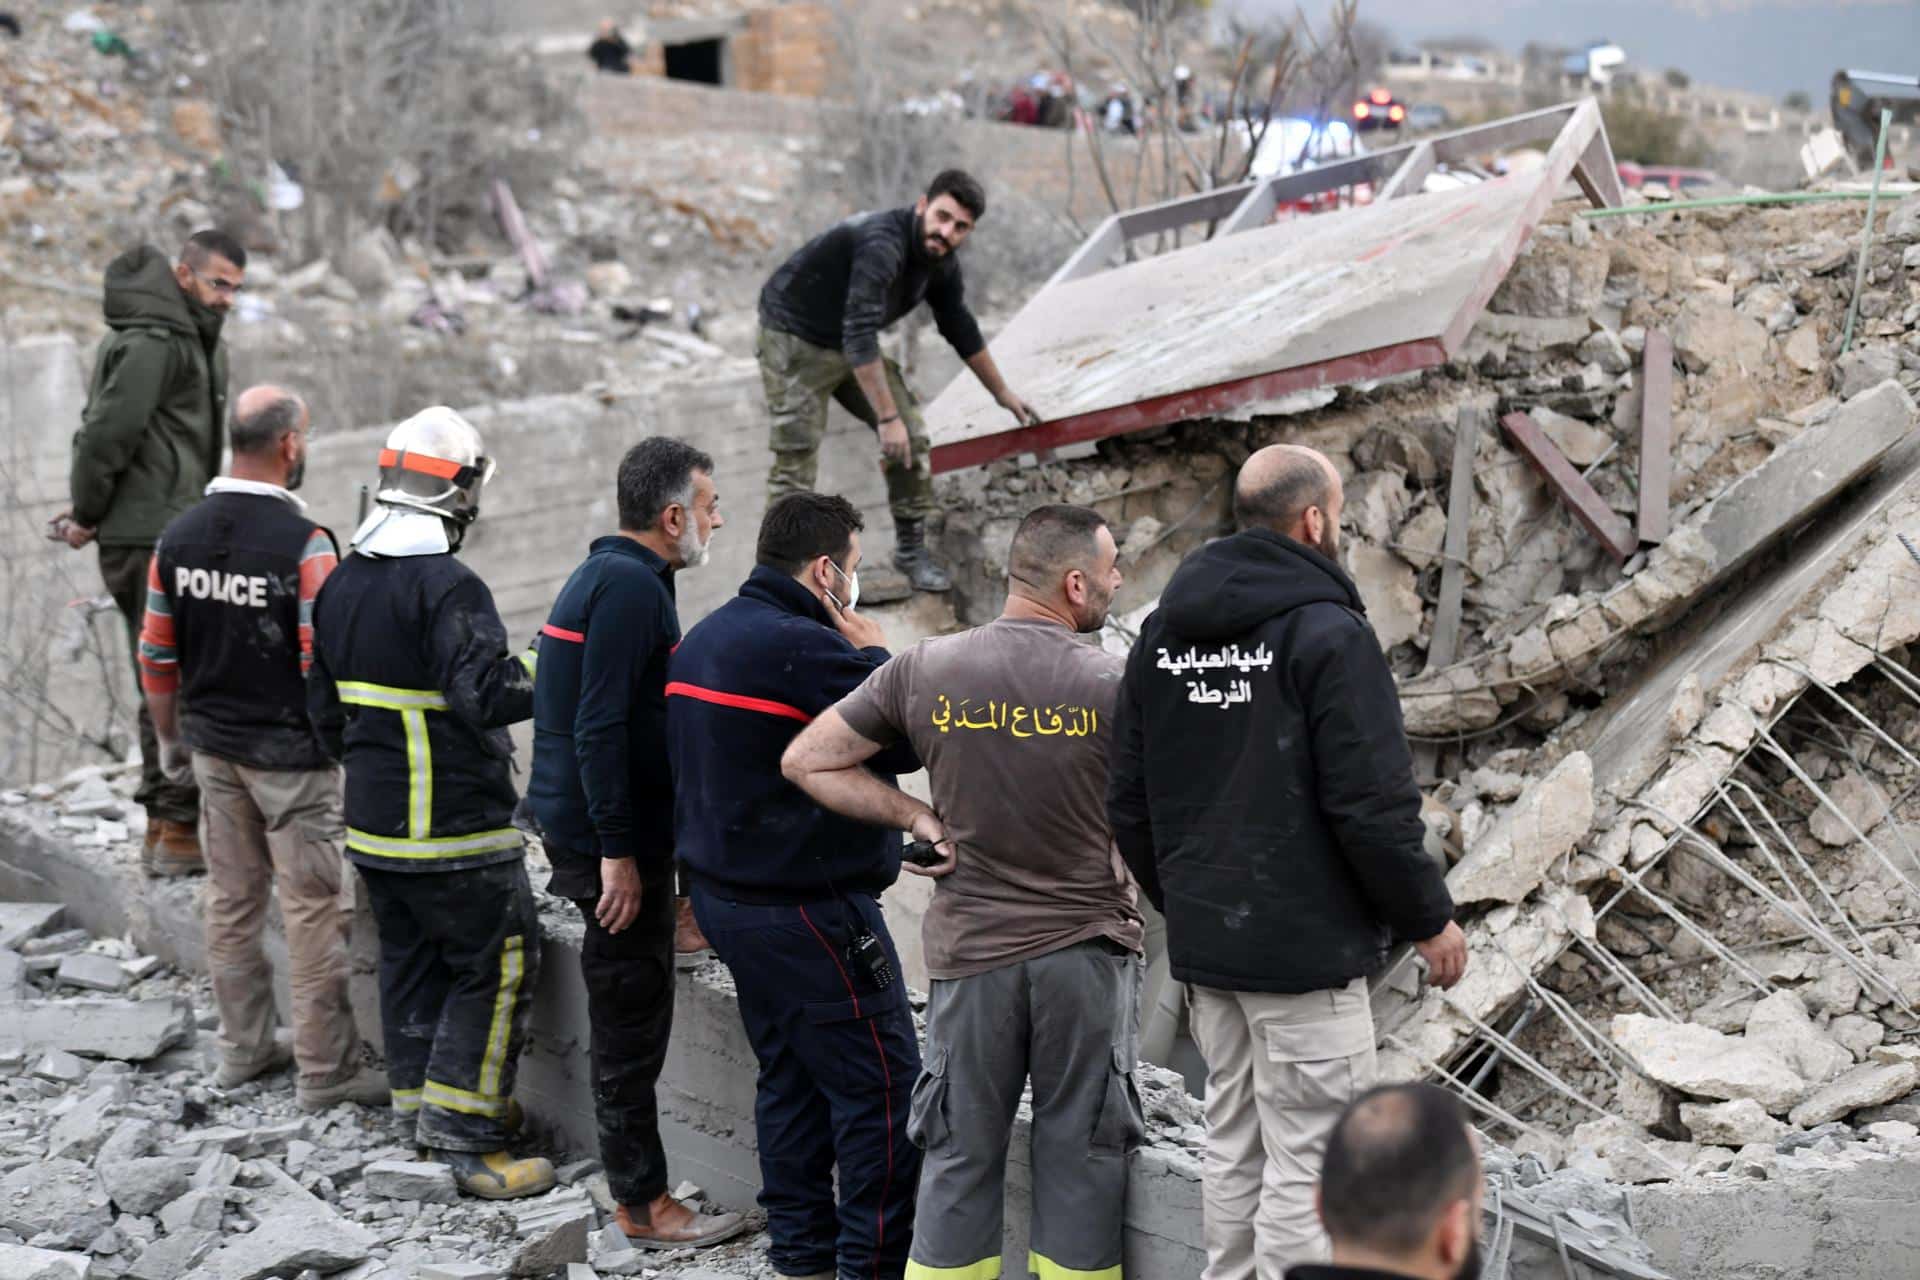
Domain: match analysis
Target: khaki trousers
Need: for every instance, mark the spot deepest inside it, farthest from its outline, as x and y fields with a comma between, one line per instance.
x=1280, y=1069
x=268, y=831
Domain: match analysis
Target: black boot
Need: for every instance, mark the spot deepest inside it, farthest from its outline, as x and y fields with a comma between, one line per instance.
x=911, y=557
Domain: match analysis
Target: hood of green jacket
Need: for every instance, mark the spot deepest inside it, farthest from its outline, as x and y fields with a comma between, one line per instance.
x=142, y=293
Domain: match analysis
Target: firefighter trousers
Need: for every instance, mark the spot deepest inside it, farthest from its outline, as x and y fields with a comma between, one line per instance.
x=1068, y=1020
x=459, y=952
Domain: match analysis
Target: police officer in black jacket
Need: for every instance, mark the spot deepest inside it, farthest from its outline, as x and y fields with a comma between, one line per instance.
x=1262, y=792
x=789, y=894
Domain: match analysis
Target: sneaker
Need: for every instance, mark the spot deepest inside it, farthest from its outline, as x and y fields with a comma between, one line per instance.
x=498, y=1175
x=231, y=1075
x=666, y=1223
x=172, y=849
x=690, y=946
x=365, y=1087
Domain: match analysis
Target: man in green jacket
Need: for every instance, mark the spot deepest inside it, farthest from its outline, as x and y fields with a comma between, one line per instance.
x=148, y=443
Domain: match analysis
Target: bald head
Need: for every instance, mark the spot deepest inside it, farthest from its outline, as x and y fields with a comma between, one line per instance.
x=1291, y=490
x=269, y=436
x=1400, y=1173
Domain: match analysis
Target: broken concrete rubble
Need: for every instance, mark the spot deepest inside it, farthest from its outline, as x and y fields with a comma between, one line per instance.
x=1707, y=1064
x=1543, y=825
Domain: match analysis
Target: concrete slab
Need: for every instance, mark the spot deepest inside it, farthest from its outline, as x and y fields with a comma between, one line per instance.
x=20, y=921
x=130, y=1030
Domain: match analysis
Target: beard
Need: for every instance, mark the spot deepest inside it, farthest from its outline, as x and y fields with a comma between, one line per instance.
x=298, y=474
x=692, y=550
x=1329, y=544
x=930, y=245
x=1098, y=607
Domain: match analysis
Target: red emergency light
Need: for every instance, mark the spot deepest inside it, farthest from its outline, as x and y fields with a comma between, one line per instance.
x=1361, y=111
x=1396, y=113
x=1380, y=97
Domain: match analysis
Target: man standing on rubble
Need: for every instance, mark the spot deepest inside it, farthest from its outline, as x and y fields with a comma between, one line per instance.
x=1263, y=795
x=413, y=685
x=148, y=443
x=821, y=315
x=230, y=591
x=1033, y=938
x=790, y=894
x=602, y=793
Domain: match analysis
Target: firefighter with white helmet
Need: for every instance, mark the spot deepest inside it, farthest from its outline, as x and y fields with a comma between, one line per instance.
x=413, y=686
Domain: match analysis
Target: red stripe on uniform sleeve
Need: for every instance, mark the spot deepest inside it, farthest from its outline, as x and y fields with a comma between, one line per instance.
x=739, y=701
x=561, y=633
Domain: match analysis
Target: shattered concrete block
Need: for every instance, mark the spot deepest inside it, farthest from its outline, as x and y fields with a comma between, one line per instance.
x=93, y=971
x=411, y=1180
x=287, y=1243
x=1868, y=1085
x=458, y=1271
x=1802, y=348
x=1731, y=1124
x=174, y=1257
x=1708, y=335
x=1857, y=1034
x=21, y=921
x=1688, y=706
x=199, y=1210
x=143, y=1185
x=61, y=1201
x=56, y=944
x=1864, y=367
x=553, y=1231
x=78, y=1134
x=1861, y=806
x=1781, y=1023
x=1894, y=1132
x=1834, y=993
x=1543, y=825
x=130, y=1030
x=216, y=1169
x=1706, y=1064
x=18, y=1262
x=61, y=1067
x=1386, y=585
x=1447, y=701
x=1604, y=348
x=1583, y=443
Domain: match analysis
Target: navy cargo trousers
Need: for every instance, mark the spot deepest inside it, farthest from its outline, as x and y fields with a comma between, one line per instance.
x=838, y=1061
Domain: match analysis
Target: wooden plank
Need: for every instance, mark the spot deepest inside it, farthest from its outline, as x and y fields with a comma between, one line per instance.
x=1606, y=525
x=1656, y=436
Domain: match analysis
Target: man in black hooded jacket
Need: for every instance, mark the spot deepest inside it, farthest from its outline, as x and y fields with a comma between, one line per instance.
x=1262, y=792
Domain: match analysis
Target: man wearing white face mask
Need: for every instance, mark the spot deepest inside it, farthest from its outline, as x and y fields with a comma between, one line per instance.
x=788, y=893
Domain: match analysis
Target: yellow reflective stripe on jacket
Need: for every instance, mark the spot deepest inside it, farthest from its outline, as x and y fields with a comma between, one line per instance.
x=437, y=847
x=1045, y=1268
x=361, y=694
x=530, y=659
x=513, y=966
x=465, y=1101
x=419, y=775
x=985, y=1269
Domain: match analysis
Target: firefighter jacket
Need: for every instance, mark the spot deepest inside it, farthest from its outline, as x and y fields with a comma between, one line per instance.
x=413, y=688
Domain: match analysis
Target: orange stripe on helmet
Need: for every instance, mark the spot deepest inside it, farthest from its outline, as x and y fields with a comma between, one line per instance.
x=426, y=464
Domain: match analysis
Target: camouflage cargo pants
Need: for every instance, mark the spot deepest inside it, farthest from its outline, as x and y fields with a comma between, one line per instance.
x=799, y=377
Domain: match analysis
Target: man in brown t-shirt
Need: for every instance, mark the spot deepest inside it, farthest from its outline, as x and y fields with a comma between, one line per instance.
x=1033, y=936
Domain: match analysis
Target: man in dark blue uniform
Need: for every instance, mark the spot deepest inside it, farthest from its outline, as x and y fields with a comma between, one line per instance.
x=602, y=794
x=789, y=894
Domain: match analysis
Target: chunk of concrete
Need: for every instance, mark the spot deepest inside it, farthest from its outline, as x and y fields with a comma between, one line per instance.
x=411, y=1180
x=60, y=1201
x=1731, y=1124
x=1781, y=1023
x=174, y=1257
x=18, y=1262
x=1582, y=443
x=1543, y=825
x=1386, y=585
x=92, y=971
x=1868, y=1085
x=458, y=1271
x=199, y=1210
x=288, y=1243
x=1803, y=474
x=61, y=1067
x=1706, y=1064
x=1709, y=334
x=144, y=1185
x=130, y=1030
x=20, y=921
x=13, y=977
x=1861, y=806
x=78, y=1134
x=553, y=1232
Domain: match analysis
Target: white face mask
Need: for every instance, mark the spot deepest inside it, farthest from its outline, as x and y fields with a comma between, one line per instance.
x=853, y=589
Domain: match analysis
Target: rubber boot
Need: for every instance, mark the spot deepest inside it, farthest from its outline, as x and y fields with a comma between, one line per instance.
x=498, y=1175
x=911, y=557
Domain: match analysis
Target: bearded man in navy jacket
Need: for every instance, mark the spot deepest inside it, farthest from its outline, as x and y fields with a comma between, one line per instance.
x=788, y=894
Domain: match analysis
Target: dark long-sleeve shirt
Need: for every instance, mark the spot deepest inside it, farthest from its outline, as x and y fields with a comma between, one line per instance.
x=847, y=284
x=601, y=787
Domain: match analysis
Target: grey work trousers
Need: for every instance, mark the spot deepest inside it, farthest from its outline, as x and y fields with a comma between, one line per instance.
x=1068, y=1020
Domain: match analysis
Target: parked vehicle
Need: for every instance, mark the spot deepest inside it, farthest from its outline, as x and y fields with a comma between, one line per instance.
x=1427, y=116
x=1675, y=178
x=1379, y=110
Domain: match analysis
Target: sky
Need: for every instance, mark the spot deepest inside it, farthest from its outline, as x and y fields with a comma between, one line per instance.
x=1767, y=46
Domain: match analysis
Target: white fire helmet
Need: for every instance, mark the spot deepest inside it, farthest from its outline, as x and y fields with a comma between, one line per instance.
x=432, y=464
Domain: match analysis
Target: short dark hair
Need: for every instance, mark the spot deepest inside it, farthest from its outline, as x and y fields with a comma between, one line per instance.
x=1397, y=1157
x=210, y=243
x=1296, y=484
x=655, y=474
x=261, y=430
x=1053, y=539
x=962, y=186
x=801, y=526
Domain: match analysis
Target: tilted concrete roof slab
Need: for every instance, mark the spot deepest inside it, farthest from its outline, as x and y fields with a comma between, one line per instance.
x=1358, y=293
